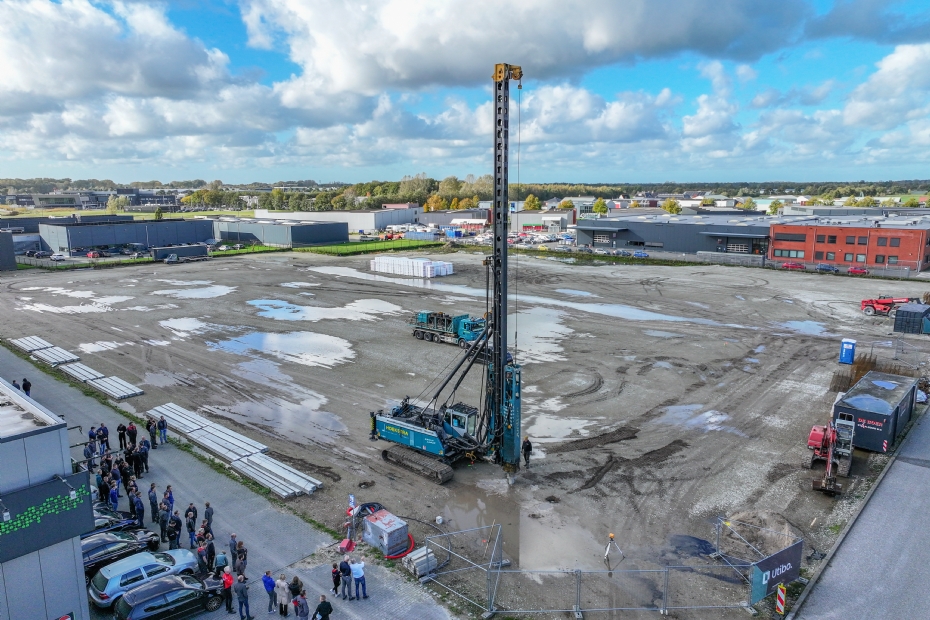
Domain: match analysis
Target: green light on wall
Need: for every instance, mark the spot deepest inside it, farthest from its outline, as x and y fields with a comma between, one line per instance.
x=52, y=506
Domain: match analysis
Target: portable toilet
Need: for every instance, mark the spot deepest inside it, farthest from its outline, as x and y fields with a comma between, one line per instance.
x=847, y=351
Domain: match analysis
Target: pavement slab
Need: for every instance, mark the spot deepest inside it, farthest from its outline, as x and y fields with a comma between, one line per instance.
x=277, y=540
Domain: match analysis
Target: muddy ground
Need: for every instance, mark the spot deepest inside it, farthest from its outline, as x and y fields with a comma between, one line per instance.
x=657, y=397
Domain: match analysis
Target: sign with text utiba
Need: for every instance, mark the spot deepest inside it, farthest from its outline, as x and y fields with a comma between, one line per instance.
x=778, y=568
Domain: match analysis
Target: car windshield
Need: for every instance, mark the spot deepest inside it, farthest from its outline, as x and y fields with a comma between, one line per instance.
x=164, y=558
x=192, y=582
x=123, y=609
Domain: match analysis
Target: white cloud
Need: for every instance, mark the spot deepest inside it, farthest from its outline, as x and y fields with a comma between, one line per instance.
x=898, y=92
x=745, y=73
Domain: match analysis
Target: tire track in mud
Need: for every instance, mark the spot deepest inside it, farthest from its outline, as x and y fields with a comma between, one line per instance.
x=618, y=434
x=648, y=460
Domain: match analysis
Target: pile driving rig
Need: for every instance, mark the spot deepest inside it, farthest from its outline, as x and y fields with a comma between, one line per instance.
x=428, y=439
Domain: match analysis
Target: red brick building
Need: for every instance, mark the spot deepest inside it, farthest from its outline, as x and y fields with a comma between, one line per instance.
x=876, y=242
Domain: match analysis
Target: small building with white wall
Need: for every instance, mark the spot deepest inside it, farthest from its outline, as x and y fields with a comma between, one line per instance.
x=360, y=220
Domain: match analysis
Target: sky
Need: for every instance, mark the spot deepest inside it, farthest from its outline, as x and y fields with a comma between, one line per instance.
x=615, y=91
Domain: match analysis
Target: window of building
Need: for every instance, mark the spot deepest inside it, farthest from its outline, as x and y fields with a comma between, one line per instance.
x=892, y=260
x=927, y=258
x=883, y=241
x=821, y=238
x=863, y=240
x=818, y=255
x=850, y=240
x=895, y=242
x=601, y=239
x=831, y=238
x=847, y=257
x=860, y=258
x=879, y=259
x=831, y=256
x=790, y=253
x=790, y=237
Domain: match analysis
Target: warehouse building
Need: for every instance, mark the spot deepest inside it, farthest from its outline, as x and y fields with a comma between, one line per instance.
x=451, y=216
x=45, y=510
x=84, y=236
x=553, y=221
x=886, y=241
x=687, y=234
x=362, y=220
x=279, y=234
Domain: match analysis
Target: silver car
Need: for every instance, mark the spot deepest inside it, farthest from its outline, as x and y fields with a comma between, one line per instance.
x=112, y=581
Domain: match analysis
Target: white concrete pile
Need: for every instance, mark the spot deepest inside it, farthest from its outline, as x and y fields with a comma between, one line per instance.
x=417, y=267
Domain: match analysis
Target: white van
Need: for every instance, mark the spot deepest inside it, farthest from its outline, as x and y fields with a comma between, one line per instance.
x=58, y=256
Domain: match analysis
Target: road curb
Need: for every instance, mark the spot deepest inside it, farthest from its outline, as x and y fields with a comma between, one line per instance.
x=799, y=604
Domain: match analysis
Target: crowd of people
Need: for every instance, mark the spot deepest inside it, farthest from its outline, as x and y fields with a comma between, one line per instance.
x=123, y=468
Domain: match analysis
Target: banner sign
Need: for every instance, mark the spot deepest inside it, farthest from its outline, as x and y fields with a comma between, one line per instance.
x=779, y=568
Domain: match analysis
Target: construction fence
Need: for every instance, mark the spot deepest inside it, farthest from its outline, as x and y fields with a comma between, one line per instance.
x=472, y=565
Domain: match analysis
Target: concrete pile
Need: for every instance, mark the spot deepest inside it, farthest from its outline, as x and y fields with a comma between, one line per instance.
x=417, y=267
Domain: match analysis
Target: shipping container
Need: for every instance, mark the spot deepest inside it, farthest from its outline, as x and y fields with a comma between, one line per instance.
x=909, y=318
x=880, y=405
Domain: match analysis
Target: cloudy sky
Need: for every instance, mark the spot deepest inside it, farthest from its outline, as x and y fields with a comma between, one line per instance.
x=615, y=90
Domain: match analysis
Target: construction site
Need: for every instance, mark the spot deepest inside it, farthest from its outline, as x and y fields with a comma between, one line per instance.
x=657, y=398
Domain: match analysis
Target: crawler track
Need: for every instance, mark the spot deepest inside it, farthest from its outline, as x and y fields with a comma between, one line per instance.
x=426, y=466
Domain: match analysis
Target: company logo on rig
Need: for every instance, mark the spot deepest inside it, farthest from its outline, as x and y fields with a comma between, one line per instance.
x=781, y=570
x=394, y=429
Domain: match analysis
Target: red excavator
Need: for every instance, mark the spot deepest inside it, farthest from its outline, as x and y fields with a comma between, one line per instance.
x=833, y=444
x=884, y=304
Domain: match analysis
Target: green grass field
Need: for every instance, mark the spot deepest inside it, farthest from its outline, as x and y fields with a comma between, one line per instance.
x=366, y=247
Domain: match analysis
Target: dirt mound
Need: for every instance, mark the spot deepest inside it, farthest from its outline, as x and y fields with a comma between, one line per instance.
x=768, y=532
x=618, y=434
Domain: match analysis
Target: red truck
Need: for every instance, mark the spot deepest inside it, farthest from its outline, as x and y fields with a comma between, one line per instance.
x=885, y=305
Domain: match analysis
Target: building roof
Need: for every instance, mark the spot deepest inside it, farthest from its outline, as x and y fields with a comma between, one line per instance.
x=893, y=221
x=878, y=392
x=752, y=219
x=20, y=415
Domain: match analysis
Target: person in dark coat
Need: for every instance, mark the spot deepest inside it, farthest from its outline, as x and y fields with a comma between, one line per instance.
x=211, y=551
x=153, y=432
x=174, y=531
x=153, y=502
x=16, y=384
x=140, y=509
x=90, y=451
x=121, y=435
x=114, y=496
x=192, y=509
x=242, y=558
x=103, y=430
x=208, y=515
x=164, y=517
x=27, y=387
x=144, y=447
x=162, y=425
x=324, y=608
x=527, y=449
x=232, y=547
x=345, y=572
x=191, y=524
x=132, y=433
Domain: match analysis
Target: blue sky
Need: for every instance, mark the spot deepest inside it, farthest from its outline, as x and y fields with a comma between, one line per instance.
x=616, y=90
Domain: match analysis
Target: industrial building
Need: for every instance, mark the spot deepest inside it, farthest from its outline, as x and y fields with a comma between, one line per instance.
x=90, y=199
x=83, y=236
x=555, y=220
x=279, y=234
x=7, y=252
x=866, y=241
x=362, y=220
x=45, y=509
x=451, y=217
x=687, y=234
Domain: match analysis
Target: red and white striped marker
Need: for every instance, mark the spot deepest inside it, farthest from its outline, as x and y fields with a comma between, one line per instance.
x=885, y=446
x=780, y=599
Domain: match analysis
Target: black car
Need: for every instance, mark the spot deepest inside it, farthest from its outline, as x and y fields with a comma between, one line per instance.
x=31, y=253
x=827, y=268
x=98, y=550
x=109, y=520
x=172, y=596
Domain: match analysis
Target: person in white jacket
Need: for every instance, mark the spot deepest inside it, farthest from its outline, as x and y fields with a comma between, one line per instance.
x=358, y=573
x=283, y=594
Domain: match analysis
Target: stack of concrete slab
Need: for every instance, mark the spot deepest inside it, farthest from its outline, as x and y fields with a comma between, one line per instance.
x=55, y=356
x=244, y=455
x=115, y=387
x=417, y=267
x=81, y=372
x=30, y=343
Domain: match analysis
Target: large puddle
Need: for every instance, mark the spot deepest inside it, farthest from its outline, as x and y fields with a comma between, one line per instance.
x=535, y=334
x=206, y=292
x=808, y=328
x=100, y=345
x=183, y=327
x=613, y=310
x=361, y=310
x=305, y=348
x=691, y=417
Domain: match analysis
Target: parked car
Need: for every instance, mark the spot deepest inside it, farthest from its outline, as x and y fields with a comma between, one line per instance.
x=602, y=251
x=624, y=253
x=238, y=246
x=790, y=265
x=108, y=520
x=30, y=253
x=825, y=268
x=223, y=248
x=98, y=550
x=172, y=259
x=114, y=580
x=137, y=255
x=94, y=254
x=858, y=271
x=640, y=254
x=58, y=257
x=43, y=254
x=170, y=597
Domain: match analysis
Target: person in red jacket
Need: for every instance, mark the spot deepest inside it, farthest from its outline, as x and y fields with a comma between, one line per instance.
x=227, y=589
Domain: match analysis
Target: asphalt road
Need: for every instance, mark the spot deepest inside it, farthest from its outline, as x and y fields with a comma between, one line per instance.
x=882, y=570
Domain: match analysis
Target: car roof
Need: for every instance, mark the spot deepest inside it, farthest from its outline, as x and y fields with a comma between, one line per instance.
x=137, y=560
x=156, y=587
x=102, y=538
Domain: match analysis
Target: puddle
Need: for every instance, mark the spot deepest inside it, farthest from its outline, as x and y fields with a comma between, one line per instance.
x=751, y=360
x=305, y=348
x=54, y=290
x=888, y=385
x=759, y=349
x=299, y=284
x=361, y=310
x=160, y=379
x=698, y=304
x=660, y=334
x=207, y=292
x=184, y=327
x=539, y=331
x=186, y=282
x=867, y=402
x=613, y=310
x=150, y=308
x=740, y=297
x=104, y=304
x=809, y=328
x=157, y=343
x=667, y=365
x=101, y=345
x=545, y=428
x=573, y=293
x=688, y=417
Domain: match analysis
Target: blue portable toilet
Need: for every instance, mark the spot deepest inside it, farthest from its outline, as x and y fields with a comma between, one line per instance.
x=847, y=351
